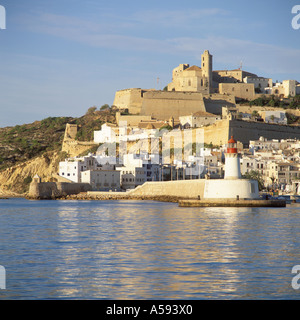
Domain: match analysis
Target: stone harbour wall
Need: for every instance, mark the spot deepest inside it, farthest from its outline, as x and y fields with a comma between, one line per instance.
x=54, y=190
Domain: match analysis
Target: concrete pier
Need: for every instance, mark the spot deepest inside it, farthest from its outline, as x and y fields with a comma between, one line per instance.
x=231, y=203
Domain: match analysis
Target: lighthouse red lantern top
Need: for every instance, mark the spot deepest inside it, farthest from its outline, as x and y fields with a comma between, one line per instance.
x=232, y=146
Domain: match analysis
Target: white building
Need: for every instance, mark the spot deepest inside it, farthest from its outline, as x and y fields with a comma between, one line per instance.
x=111, y=133
x=71, y=168
x=131, y=176
x=278, y=117
x=198, y=119
x=284, y=89
x=108, y=133
x=139, y=168
x=259, y=82
x=102, y=180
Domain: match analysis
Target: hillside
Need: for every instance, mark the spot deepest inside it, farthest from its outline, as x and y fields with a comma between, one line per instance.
x=36, y=147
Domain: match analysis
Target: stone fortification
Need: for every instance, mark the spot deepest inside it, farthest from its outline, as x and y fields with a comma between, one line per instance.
x=130, y=99
x=53, y=190
x=71, y=146
x=163, y=105
x=162, y=190
x=219, y=132
x=239, y=90
x=214, y=102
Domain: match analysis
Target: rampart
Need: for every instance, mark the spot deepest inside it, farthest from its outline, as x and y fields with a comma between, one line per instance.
x=130, y=99
x=182, y=189
x=70, y=145
x=163, y=105
x=53, y=190
x=75, y=148
x=214, y=102
x=219, y=132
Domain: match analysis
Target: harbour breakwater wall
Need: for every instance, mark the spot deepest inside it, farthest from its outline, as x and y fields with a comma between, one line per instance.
x=54, y=190
x=171, y=191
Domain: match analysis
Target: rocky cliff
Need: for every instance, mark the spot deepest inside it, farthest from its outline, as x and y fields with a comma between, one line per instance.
x=36, y=148
x=15, y=180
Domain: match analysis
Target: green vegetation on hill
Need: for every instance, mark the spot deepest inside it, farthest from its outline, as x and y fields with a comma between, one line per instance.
x=23, y=142
x=273, y=101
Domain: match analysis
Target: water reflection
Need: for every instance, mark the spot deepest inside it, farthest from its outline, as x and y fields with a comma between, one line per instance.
x=150, y=250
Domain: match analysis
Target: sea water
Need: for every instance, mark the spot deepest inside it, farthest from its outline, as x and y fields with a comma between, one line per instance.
x=147, y=250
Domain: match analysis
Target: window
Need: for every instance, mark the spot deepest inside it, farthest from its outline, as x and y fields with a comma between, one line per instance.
x=252, y=187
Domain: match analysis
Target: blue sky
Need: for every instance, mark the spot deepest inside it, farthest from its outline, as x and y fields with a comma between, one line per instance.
x=58, y=58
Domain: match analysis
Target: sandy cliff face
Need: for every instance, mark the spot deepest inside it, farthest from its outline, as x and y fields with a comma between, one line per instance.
x=15, y=180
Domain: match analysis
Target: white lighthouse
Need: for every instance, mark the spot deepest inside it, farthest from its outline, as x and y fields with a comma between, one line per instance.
x=232, y=161
x=232, y=186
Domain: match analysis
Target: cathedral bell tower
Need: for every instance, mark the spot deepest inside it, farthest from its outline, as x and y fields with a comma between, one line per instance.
x=206, y=66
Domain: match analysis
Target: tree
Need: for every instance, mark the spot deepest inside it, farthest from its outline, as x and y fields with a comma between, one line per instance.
x=104, y=107
x=91, y=110
x=255, y=175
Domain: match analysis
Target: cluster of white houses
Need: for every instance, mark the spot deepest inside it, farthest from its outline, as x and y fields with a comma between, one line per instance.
x=105, y=173
x=277, y=161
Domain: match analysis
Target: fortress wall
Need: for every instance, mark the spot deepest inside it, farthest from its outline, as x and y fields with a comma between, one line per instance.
x=71, y=131
x=163, y=105
x=75, y=148
x=52, y=190
x=244, y=131
x=240, y=90
x=224, y=97
x=217, y=133
x=130, y=99
x=173, y=95
x=215, y=106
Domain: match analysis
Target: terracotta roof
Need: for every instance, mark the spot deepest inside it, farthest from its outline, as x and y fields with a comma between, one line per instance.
x=154, y=125
x=193, y=68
